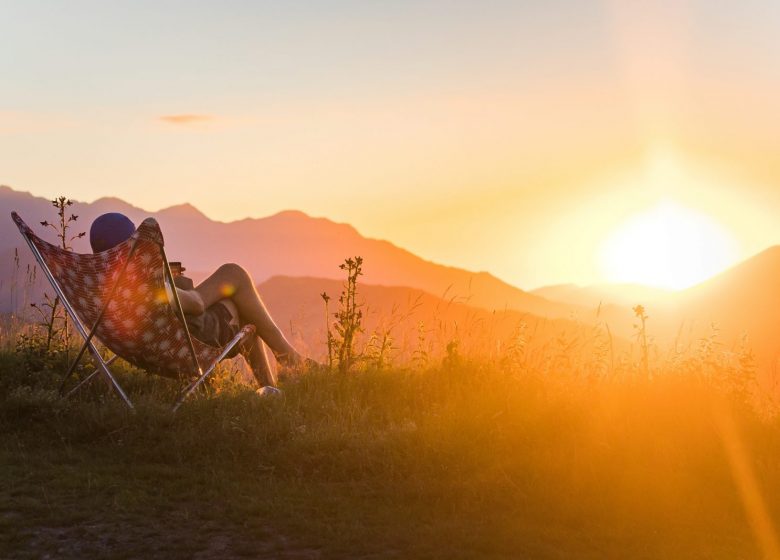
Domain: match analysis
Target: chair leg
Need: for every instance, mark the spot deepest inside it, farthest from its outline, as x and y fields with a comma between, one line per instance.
x=107, y=372
x=72, y=367
x=77, y=321
x=192, y=386
x=195, y=384
x=87, y=379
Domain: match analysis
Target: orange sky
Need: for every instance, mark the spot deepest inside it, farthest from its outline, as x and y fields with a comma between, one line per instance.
x=509, y=138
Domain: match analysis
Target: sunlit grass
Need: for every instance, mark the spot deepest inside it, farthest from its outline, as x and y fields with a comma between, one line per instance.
x=567, y=445
x=468, y=460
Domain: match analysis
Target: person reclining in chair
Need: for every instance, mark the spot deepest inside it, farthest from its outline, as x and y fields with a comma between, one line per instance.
x=216, y=308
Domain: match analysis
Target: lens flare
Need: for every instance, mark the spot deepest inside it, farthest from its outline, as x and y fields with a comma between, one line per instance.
x=227, y=290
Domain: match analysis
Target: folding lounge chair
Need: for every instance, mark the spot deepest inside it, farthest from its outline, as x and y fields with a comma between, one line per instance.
x=120, y=297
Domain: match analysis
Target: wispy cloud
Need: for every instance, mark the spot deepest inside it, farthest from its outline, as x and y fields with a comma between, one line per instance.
x=186, y=119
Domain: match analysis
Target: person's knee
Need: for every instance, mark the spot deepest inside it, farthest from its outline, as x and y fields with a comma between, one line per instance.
x=235, y=272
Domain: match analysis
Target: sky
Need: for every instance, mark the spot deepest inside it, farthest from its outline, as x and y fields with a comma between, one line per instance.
x=533, y=140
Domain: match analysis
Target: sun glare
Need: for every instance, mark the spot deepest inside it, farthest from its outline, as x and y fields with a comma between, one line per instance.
x=667, y=246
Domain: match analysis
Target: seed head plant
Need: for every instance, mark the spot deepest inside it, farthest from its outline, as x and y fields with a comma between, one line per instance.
x=330, y=341
x=641, y=336
x=349, y=319
x=54, y=343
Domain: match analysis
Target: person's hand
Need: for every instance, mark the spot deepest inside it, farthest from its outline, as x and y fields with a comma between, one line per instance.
x=183, y=283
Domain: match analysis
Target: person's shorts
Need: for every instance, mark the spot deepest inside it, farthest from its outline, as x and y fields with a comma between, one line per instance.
x=214, y=326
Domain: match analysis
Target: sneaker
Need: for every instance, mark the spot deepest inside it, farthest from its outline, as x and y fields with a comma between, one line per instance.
x=268, y=391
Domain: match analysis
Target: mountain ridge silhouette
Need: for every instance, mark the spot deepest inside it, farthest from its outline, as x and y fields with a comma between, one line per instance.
x=742, y=299
x=288, y=243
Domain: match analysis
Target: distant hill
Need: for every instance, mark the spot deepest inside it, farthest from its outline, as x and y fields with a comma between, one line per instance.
x=418, y=322
x=742, y=300
x=626, y=295
x=288, y=243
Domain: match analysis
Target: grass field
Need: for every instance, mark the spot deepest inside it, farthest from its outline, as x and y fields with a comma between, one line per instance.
x=467, y=460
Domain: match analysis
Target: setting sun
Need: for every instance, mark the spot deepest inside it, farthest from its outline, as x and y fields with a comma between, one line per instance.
x=667, y=246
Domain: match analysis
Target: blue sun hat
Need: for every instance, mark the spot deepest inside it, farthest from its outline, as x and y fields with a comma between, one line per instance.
x=109, y=230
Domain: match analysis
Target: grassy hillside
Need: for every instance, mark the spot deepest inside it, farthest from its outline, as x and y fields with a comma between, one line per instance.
x=463, y=460
x=564, y=447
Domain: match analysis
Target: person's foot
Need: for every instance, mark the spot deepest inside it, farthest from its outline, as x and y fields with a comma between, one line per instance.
x=293, y=361
x=268, y=392
x=293, y=369
x=289, y=359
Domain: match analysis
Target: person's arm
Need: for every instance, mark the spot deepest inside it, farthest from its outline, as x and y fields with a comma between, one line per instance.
x=191, y=302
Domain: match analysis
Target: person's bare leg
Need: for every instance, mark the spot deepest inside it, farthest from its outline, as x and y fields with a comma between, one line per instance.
x=261, y=366
x=253, y=351
x=230, y=281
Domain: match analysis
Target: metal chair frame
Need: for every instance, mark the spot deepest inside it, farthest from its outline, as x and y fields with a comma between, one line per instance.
x=88, y=334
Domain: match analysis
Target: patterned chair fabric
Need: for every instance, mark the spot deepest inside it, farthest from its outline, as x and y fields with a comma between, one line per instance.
x=139, y=324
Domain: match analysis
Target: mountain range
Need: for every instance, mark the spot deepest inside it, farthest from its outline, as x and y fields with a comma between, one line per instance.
x=289, y=243
x=295, y=257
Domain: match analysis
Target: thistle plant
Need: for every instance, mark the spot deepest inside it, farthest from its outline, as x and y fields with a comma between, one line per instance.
x=62, y=226
x=53, y=312
x=55, y=339
x=349, y=318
